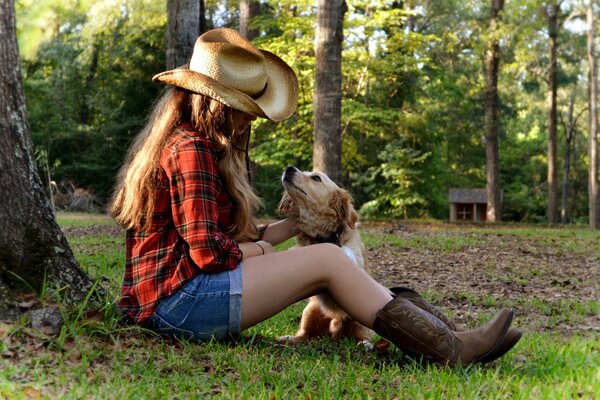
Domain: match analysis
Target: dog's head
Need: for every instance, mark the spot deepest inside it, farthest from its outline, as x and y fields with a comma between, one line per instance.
x=315, y=200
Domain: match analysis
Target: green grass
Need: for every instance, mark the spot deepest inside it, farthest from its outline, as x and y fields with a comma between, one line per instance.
x=133, y=365
x=103, y=358
x=82, y=219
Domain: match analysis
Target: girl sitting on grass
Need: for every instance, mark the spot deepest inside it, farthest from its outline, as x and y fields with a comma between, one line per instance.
x=197, y=264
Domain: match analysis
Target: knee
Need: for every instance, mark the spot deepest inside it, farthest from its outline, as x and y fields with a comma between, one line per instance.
x=327, y=249
x=333, y=255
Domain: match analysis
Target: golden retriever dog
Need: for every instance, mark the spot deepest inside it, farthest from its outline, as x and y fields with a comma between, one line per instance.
x=324, y=213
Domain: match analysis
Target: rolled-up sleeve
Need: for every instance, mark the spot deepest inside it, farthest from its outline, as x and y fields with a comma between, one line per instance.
x=194, y=180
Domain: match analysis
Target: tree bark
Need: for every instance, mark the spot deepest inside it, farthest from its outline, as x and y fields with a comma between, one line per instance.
x=185, y=22
x=593, y=121
x=552, y=179
x=492, y=66
x=570, y=136
x=85, y=113
x=327, y=151
x=248, y=10
x=33, y=250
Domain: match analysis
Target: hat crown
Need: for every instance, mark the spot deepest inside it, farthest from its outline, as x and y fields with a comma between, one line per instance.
x=228, y=68
x=230, y=59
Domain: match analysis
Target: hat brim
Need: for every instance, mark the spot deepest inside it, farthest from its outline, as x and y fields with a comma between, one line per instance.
x=277, y=102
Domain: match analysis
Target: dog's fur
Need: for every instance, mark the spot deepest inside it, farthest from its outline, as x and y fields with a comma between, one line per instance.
x=323, y=213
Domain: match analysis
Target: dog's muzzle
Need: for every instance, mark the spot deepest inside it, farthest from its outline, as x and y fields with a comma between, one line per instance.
x=287, y=179
x=288, y=174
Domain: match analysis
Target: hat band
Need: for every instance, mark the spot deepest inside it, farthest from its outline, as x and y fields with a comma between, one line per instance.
x=259, y=94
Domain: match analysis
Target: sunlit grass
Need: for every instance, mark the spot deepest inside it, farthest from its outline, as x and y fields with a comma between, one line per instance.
x=72, y=219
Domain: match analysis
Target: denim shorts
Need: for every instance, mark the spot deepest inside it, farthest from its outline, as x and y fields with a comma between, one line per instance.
x=208, y=306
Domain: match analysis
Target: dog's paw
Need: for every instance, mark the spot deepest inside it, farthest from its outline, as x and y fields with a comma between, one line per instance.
x=291, y=340
x=367, y=345
x=335, y=326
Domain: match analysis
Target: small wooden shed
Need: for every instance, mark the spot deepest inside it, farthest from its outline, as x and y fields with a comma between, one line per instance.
x=467, y=204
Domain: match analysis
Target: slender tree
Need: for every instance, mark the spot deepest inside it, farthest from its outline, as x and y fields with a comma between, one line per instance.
x=570, y=127
x=33, y=249
x=552, y=10
x=492, y=65
x=593, y=120
x=185, y=22
x=327, y=152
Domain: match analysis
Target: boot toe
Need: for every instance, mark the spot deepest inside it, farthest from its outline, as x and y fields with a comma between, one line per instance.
x=481, y=342
x=513, y=335
x=498, y=325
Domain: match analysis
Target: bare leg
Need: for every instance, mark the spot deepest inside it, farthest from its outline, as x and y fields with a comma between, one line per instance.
x=273, y=282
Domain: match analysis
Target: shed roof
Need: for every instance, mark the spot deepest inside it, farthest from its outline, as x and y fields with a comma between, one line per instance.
x=477, y=196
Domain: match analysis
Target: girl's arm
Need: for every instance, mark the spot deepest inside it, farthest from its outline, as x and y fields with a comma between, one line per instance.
x=280, y=231
x=253, y=249
x=274, y=233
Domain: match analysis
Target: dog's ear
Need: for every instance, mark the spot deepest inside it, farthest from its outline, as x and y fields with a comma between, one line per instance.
x=286, y=205
x=341, y=202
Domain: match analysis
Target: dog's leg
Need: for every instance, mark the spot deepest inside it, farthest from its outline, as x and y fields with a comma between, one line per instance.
x=313, y=324
x=336, y=326
x=359, y=332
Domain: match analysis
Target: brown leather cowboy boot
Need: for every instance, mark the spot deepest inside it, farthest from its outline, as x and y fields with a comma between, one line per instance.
x=513, y=335
x=420, y=302
x=418, y=332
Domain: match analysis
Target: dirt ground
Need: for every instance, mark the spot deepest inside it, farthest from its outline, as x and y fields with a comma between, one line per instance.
x=551, y=288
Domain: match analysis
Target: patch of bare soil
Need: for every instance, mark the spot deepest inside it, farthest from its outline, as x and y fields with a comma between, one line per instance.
x=79, y=231
x=550, y=288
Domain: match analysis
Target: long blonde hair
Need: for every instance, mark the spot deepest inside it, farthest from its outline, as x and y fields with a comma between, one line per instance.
x=134, y=197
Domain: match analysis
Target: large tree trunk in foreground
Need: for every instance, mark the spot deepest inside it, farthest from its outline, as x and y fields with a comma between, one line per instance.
x=185, y=22
x=327, y=151
x=32, y=246
x=593, y=122
x=492, y=65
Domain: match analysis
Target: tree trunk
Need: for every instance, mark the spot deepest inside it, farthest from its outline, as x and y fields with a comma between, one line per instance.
x=593, y=121
x=248, y=10
x=492, y=64
x=570, y=133
x=185, y=20
x=327, y=151
x=552, y=17
x=33, y=249
x=89, y=86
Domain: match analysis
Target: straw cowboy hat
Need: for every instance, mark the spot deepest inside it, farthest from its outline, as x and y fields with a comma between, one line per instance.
x=227, y=67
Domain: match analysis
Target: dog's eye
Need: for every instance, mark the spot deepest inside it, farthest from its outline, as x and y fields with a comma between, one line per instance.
x=316, y=178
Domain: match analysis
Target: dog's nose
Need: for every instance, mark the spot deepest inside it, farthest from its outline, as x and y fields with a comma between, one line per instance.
x=288, y=174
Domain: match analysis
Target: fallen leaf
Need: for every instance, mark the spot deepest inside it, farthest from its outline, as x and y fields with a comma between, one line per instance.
x=4, y=330
x=32, y=393
x=49, y=330
x=382, y=345
x=26, y=305
x=95, y=315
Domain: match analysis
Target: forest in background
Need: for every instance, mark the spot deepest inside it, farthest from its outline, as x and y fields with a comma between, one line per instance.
x=412, y=108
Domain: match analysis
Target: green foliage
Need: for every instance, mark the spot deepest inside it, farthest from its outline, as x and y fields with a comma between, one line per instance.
x=392, y=182
x=88, y=88
x=412, y=108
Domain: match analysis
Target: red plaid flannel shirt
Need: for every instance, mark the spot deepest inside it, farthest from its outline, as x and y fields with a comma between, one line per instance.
x=187, y=234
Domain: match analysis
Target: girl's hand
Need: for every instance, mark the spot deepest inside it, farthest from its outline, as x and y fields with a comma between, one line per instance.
x=280, y=231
